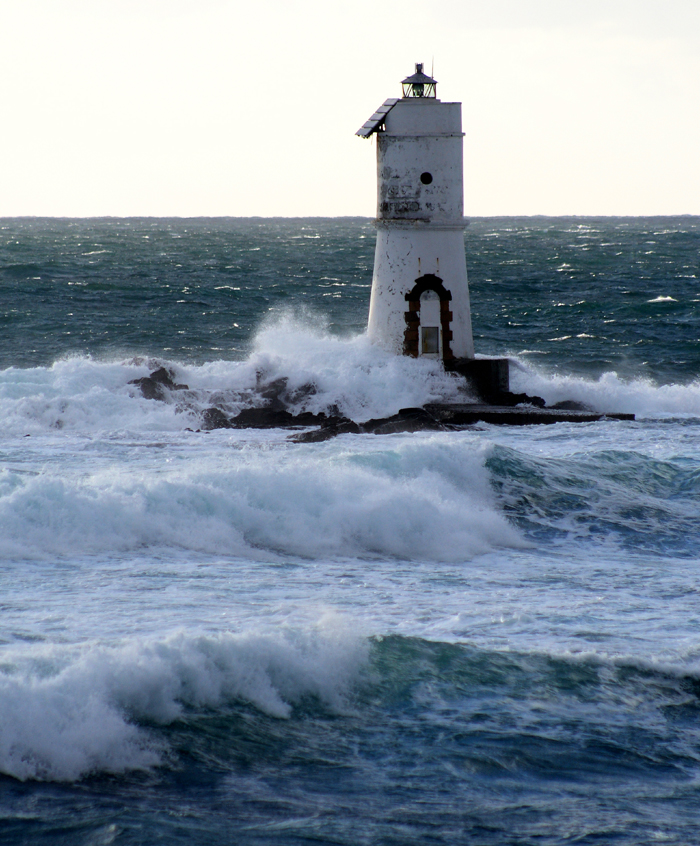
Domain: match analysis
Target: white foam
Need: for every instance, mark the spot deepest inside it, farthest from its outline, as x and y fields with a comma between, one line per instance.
x=363, y=380
x=348, y=376
x=82, y=395
x=71, y=711
x=609, y=393
x=323, y=373
x=410, y=497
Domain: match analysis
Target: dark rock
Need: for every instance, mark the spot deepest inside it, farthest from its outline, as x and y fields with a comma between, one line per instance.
x=214, y=418
x=330, y=429
x=273, y=392
x=262, y=418
x=150, y=389
x=308, y=418
x=163, y=376
x=407, y=420
x=509, y=399
x=301, y=393
x=278, y=394
x=157, y=384
x=274, y=418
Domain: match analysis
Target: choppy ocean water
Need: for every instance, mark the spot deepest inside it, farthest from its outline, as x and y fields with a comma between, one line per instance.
x=489, y=636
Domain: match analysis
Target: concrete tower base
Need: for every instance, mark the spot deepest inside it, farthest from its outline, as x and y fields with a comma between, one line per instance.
x=420, y=294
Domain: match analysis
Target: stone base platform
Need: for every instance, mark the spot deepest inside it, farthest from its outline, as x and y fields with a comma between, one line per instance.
x=460, y=415
x=488, y=377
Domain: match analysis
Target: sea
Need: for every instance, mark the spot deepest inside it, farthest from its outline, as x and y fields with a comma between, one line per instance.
x=482, y=636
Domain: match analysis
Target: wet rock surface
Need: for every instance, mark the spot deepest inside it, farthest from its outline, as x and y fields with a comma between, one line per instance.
x=157, y=385
x=407, y=420
x=215, y=418
x=271, y=417
x=507, y=399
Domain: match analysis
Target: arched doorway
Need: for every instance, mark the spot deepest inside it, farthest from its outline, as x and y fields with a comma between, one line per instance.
x=428, y=319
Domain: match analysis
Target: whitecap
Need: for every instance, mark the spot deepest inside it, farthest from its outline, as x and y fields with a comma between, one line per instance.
x=71, y=711
x=609, y=392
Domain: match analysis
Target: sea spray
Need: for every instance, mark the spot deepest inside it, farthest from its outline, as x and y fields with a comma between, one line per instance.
x=359, y=378
x=324, y=374
x=321, y=374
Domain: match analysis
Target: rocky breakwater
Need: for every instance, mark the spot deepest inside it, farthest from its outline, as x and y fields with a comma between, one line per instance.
x=269, y=406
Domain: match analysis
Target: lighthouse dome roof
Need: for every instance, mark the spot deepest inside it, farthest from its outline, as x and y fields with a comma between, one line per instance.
x=419, y=77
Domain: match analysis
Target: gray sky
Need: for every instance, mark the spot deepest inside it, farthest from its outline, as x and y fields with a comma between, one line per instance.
x=225, y=107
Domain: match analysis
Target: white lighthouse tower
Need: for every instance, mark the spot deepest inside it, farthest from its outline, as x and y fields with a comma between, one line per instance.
x=420, y=295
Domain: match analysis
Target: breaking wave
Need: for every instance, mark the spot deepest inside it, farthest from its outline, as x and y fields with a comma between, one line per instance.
x=313, y=370
x=71, y=711
x=352, y=702
x=610, y=393
x=426, y=499
x=309, y=369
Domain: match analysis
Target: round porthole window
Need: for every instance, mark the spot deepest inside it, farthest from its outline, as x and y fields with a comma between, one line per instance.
x=426, y=178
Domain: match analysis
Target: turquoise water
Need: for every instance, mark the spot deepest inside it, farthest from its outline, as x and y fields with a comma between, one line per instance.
x=488, y=636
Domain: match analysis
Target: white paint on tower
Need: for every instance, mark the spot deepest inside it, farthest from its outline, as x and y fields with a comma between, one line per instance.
x=420, y=295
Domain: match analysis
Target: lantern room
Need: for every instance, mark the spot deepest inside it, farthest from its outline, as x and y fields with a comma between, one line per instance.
x=419, y=84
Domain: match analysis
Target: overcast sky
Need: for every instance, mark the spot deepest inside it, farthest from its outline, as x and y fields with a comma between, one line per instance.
x=224, y=107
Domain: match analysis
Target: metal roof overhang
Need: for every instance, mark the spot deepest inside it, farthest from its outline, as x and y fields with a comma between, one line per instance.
x=378, y=118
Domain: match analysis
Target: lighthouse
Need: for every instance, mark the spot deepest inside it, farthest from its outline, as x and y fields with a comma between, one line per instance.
x=419, y=304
